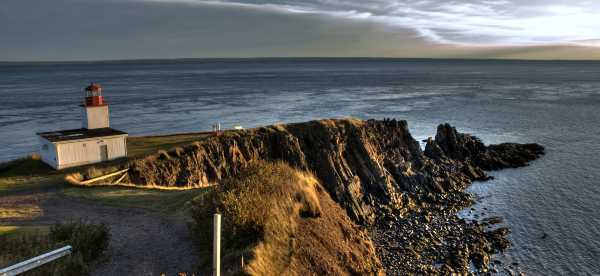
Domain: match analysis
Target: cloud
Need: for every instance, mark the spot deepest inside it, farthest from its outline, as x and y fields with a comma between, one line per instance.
x=466, y=22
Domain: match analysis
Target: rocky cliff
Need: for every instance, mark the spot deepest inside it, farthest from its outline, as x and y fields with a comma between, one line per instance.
x=377, y=172
x=282, y=222
x=372, y=168
x=451, y=146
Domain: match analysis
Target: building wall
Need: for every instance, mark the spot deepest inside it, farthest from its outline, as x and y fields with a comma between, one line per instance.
x=95, y=117
x=81, y=152
x=48, y=152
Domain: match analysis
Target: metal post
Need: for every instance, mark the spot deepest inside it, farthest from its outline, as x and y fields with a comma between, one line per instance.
x=217, y=245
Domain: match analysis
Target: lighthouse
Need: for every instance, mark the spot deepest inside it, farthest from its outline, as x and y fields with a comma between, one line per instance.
x=95, y=110
x=94, y=142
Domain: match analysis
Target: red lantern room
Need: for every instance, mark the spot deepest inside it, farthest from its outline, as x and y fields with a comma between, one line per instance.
x=93, y=95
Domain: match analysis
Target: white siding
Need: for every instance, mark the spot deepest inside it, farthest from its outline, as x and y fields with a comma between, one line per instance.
x=48, y=152
x=95, y=117
x=81, y=152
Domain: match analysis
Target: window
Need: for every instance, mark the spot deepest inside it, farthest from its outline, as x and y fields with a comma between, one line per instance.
x=45, y=147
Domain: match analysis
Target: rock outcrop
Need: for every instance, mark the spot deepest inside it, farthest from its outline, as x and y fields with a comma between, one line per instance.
x=377, y=172
x=282, y=222
x=371, y=168
x=451, y=145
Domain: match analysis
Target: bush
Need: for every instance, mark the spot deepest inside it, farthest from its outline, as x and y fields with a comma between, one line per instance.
x=259, y=210
x=89, y=242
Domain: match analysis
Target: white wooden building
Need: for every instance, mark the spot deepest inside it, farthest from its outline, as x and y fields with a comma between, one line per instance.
x=94, y=142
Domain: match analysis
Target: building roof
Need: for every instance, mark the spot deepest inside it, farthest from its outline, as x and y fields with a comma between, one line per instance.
x=78, y=134
x=94, y=87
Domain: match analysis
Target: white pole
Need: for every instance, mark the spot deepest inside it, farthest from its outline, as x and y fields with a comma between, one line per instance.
x=217, y=245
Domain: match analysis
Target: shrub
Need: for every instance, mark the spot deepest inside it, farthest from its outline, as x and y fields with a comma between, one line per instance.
x=89, y=242
x=259, y=209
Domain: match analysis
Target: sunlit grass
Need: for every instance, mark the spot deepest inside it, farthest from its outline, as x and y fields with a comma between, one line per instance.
x=30, y=176
x=22, y=183
x=14, y=231
x=139, y=146
x=89, y=241
x=167, y=201
x=20, y=211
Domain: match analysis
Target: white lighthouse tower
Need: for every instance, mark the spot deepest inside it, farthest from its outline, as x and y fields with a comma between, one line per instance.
x=94, y=142
x=95, y=110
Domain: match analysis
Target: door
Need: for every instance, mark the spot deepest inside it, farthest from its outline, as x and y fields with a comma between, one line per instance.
x=103, y=152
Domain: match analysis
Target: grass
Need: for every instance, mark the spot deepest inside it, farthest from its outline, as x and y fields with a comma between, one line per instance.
x=24, y=180
x=14, y=231
x=32, y=169
x=27, y=166
x=140, y=146
x=170, y=202
x=29, y=175
x=20, y=211
x=89, y=242
x=282, y=222
x=258, y=207
x=28, y=183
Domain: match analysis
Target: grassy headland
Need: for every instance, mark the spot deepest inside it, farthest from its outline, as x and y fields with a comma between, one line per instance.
x=291, y=196
x=275, y=216
x=31, y=175
x=281, y=221
x=25, y=183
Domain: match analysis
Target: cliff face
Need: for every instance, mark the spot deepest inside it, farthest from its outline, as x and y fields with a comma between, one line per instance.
x=370, y=167
x=449, y=145
x=283, y=222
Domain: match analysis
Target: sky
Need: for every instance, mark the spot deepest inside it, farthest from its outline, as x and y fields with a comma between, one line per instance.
x=41, y=30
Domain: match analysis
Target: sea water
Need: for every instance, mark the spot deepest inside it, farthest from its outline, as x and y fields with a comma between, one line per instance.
x=552, y=206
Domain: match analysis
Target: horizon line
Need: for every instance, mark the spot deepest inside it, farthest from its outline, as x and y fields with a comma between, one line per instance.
x=126, y=60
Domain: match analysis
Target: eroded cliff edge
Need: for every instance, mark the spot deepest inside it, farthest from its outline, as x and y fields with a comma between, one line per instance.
x=378, y=173
x=371, y=168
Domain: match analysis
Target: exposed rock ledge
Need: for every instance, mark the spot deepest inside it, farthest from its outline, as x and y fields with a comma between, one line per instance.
x=377, y=171
x=372, y=168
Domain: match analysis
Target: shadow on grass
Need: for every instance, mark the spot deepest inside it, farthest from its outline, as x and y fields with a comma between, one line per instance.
x=163, y=201
x=26, y=166
x=89, y=242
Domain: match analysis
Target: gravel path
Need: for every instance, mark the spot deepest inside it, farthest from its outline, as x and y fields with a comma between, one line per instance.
x=142, y=242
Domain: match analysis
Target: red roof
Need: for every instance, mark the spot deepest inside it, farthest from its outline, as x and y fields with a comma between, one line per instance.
x=94, y=87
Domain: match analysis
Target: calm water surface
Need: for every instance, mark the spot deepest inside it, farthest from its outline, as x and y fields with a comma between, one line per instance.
x=556, y=104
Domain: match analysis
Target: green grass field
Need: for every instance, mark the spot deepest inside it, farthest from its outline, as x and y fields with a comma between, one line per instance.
x=29, y=175
x=140, y=146
x=14, y=231
x=164, y=201
x=25, y=182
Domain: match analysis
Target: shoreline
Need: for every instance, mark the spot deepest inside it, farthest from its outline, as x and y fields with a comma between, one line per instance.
x=408, y=198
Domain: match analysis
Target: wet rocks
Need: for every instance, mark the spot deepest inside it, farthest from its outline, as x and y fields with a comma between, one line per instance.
x=443, y=243
x=371, y=168
x=491, y=220
x=377, y=171
x=437, y=243
x=449, y=144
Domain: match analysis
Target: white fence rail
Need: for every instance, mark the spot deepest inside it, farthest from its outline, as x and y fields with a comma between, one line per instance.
x=36, y=262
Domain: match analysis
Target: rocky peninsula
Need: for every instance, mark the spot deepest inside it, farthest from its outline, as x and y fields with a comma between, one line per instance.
x=407, y=198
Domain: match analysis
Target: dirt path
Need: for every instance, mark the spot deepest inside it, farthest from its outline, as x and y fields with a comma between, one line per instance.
x=142, y=242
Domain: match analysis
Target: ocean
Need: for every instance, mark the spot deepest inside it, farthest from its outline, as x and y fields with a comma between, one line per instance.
x=551, y=206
